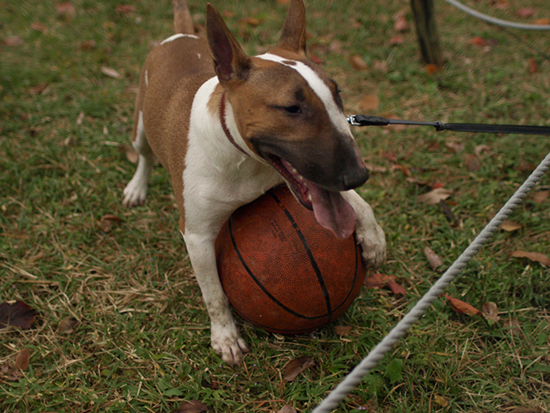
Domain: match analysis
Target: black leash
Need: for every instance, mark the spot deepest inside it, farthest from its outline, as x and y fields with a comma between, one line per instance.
x=362, y=120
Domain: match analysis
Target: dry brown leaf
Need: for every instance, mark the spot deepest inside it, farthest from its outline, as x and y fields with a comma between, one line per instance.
x=67, y=9
x=477, y=40
x=18, y=314
x=513, y=326
x=510, y=226
x=39, y=27
x=471, y=162
x=108, y=221
x=455, y=146
x=489, y=310
x=67, y=325
x=125, y=8
x=432, y=68
x=369, y=103
x=541, y=195
x=294, y=367
x=380, y=65
x=336, y=46
x=343, y=330
x=22, y=359
x=462, y=307
x=251, y=21
x=533, y=67
x=401, y=24
x=480, y=149
x=378, y=280
x=433, y=258
x=107, y=71
x=434, y=196
x=375, y=168
x=35, y=90
x=357, y=62
x=533, y=256
x=88, y=45
x=525, y=12
x=397, y=40
x=524, y=410
x=396, y=288
x=13, y=41
x=192, y=406
x=287, y=409
x=545, y=21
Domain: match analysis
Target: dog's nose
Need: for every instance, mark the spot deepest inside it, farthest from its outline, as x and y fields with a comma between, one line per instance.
x=356, y=178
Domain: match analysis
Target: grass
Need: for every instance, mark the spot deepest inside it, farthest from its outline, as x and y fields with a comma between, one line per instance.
x=142, y=343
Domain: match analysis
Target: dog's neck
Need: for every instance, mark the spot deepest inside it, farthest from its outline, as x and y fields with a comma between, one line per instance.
x=224, y=125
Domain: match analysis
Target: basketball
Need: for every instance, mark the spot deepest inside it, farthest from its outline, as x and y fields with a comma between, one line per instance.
x=281, y=270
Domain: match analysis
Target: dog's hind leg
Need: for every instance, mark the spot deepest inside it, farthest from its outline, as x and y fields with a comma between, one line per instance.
x=136, y=190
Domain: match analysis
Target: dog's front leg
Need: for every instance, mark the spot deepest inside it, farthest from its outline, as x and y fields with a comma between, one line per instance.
x=224, y=335
x=368, y=233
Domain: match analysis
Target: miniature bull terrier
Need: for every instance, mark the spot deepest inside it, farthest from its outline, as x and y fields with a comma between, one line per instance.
x=228, y=127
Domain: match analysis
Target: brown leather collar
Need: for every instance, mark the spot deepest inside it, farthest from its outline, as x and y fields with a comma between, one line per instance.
x=224, y=125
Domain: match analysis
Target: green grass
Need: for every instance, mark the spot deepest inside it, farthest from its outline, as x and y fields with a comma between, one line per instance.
x=142, y=343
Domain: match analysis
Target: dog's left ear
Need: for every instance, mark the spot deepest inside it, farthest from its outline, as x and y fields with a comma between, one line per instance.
x=293, y=37
x=230, y=61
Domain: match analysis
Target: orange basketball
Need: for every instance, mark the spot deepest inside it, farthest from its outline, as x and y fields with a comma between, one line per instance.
x=281, y=270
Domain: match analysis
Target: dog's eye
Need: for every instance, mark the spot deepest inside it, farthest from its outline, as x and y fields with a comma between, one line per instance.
x=293, y=109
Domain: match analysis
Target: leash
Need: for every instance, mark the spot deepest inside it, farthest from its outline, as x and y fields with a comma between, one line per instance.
x=362, y=120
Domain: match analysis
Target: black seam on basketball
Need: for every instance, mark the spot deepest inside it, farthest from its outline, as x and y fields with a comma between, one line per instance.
x=279, y=330
x=309, y=254
x=241, y=259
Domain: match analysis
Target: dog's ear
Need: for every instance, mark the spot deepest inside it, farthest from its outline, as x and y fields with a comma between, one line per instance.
x=230, y=61
x=293, y=37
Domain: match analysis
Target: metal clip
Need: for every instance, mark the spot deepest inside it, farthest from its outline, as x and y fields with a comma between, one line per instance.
x=352, y=120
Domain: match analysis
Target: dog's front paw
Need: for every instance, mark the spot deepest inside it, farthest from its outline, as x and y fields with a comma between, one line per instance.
x=373, y=241
x=227, y=342
x=135, y=192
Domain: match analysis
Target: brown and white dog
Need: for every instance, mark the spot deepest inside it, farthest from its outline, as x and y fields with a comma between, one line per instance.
x=228, y=127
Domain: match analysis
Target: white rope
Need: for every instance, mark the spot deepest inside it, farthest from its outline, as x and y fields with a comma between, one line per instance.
x=496, y=21
x=357, y=374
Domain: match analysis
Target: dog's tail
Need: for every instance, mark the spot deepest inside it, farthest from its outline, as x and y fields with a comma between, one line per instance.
x=183, y=22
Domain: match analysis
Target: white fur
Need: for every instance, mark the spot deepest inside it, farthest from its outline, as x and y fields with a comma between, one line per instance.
x=336, y=116
x=146, y=78
x=177, y=36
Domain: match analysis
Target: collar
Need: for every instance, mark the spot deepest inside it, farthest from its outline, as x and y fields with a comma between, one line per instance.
x=224, y=125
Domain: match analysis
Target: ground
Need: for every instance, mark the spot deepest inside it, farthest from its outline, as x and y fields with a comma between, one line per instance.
x=70, y=250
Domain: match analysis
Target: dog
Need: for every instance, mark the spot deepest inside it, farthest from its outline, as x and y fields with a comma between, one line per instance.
x=228, y=127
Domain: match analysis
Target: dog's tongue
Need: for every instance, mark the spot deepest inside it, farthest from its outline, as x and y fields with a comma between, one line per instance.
x=332, y=211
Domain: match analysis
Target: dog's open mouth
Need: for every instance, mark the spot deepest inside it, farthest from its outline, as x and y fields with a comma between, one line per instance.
x=331, y=210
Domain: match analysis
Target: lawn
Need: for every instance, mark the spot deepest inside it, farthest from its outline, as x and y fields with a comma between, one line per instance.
x=121, y=326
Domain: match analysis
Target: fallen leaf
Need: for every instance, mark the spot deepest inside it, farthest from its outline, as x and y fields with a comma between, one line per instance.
x=378, y=280
x=397, y=40
x=108, y=221
x=489, y=311
x=67, y=8
x=357, y=62
x=336, y=46
x=455, y=146
x=287, y=409
x=545, y=21
x=369, y=103
x=513, y=326
x=343, y=330
x=380, y=65
x=67, y=325
x=396, y=288
x=87, y=45
x=251, y=21
x=533, y=68
x=316, y=59
x=375, y=168
x=510, y=226
x=461, y=307
x=228, y=13
x=125, y=8
x=433, y=258
x=130, y=153
x=13, y=41
x=192, y=406
x=437, y=184
x=18, y=314
x=401, y=24
x=39, y=27
x=524, y=410
x=541, y=196
x=22, y=360
x=500, y=4
x=80, y=118
x=525, y=12
x=294, y=367
x=449, y=215
x=477, y=40
x=471, y=162
x=432, y=68
x=480, y=149
x=440, y=400
x=434, y=196
x=35, y=90
x=533, y=256
x=107, y=71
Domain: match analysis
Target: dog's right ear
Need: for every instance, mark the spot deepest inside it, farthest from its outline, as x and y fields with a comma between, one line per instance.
x=230, y=61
